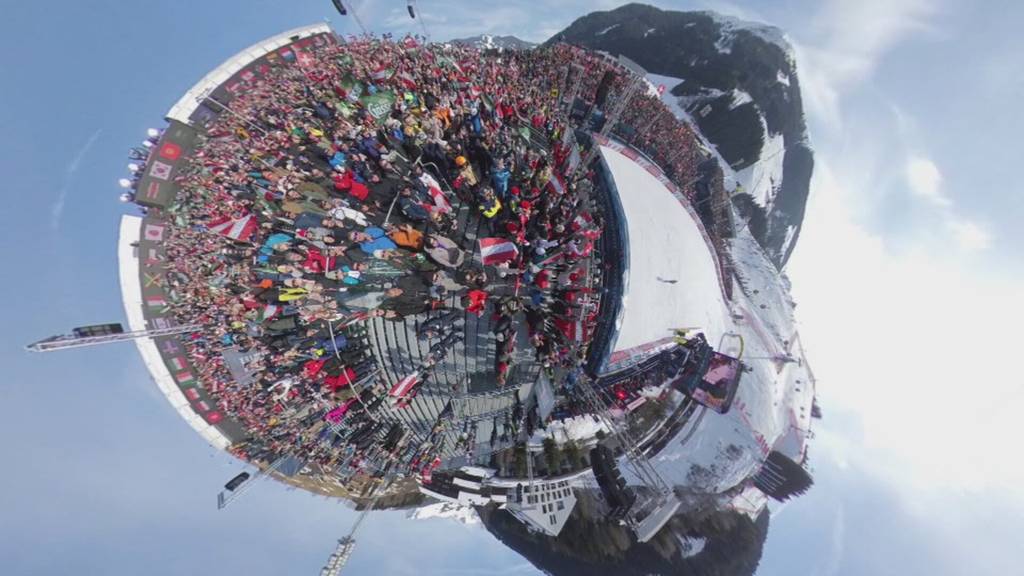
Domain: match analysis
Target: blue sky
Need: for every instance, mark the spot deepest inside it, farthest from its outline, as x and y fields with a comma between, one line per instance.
x=907, y=277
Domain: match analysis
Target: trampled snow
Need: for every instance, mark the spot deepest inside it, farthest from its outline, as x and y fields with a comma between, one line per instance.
x=607, y=30
x=713, y=452
x=665, y=242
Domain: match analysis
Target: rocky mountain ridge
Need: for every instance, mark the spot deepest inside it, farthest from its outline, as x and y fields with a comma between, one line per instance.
x=737, y=81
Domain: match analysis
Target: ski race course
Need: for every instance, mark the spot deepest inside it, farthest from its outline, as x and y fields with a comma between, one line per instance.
x=673, y=282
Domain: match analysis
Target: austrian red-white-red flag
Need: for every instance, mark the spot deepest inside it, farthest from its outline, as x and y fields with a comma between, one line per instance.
x=404, y=386
x=408, y=81
x=382, y=73
x=497, y=250
x=240, y=229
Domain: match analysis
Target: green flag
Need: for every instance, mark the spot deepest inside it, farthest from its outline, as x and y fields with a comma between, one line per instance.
x=379, y=104
x=352, y=87
x=345, y=60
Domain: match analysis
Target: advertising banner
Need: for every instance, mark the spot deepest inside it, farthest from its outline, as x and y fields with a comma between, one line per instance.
x=157, y=299
x=717, y=387
x=379, y=105
x=157, y=187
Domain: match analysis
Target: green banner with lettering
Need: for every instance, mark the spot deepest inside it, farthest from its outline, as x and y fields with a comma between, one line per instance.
x=379, y=105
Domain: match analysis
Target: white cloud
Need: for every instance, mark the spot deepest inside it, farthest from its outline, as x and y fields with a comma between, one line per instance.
x=844, y=44
x=970, y=236
x=462, y=18
x=925, y=180
x=57, y=209
x=916, y=342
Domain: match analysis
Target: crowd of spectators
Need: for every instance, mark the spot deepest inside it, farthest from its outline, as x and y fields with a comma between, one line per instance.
x=305, y=212
x=647, y=123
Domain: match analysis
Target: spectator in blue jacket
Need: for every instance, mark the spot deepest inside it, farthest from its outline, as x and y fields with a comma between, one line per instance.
x=499, y=178
x=372, y=239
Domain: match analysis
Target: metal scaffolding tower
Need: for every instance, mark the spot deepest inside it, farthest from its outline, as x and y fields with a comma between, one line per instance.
x=613, y=116
x=343, y=552
x=339, y=558
x=653, y=509
x=67, y=341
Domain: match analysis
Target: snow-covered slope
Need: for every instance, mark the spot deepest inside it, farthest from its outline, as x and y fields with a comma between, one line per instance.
x=772, y=410
x=446, y=510
x=714, y=453
x=730, y=25
x=762, y=180
x=741, y=90
x=488, y=42
x=673, y=279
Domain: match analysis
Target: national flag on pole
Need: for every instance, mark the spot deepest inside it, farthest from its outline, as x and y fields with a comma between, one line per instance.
x=268, y=312
x=440, y=199
x=240, y=229
x=382, y=73
x=404, y=386
x=449, y=62
x=441, y=203
x=406, y=80
x=582, y=222
x=497, y=250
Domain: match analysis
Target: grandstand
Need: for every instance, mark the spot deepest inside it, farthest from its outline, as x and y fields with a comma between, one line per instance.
x=640, y=264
